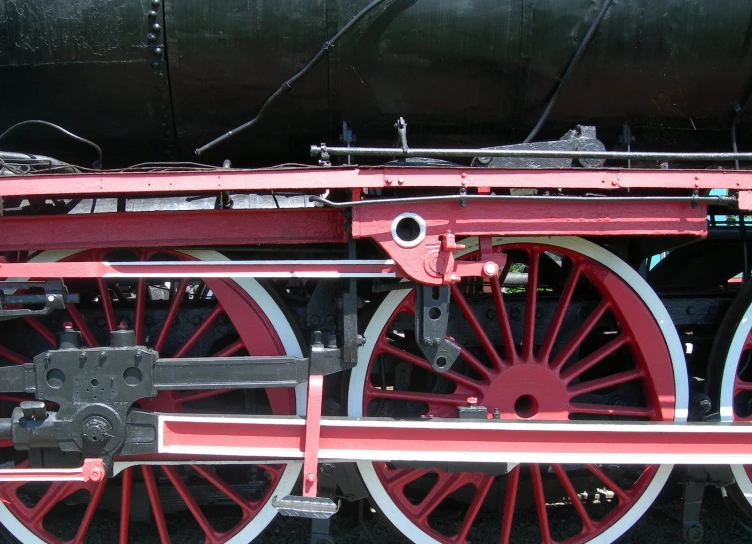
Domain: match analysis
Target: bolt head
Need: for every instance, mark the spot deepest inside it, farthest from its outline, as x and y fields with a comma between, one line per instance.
x=95, y=475
x=310, y=478
x=490, y=269
x=472, y=401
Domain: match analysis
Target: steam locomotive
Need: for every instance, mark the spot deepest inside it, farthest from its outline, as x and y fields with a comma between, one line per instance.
x=476, y=263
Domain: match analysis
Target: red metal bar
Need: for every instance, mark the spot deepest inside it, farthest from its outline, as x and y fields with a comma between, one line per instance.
x=320, y=179
x=312, y=429
x=427, y=261
x=92, y=470
x=458, y=441
x=172, y=228
x=534, y=218
x=202, y=269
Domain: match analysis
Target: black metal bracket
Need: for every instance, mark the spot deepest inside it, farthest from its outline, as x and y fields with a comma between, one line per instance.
x=96, y=389
x=431, y=319
x=697, y=478
x=581, y=138
x=53, y=296
x=401, y=127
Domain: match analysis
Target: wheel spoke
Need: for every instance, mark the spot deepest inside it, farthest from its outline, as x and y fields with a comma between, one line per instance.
x=91, y=509
x=510, y=498
x=138, y=314
x=12, y=356
x=406, y=476
x=507, y=339
x=42, y=329
x=156, y=505
x=451, y=399
x=223, y=487
x=104, y=296
x=80, y=323
x=740, y=385
x=190, y=502
x=56, y=492
x=177, y=299
x=408, y=357
x=444, y=486
x=126, y=483
x=476, y=365
x=558, y=318
x=531, y=297
x=606, y=381
x=592, y=359
x=201, y=329
x=477, y=328
x=574, y=343
x=608, y=410
x=566, y=483
x=617, y=489
x=540, y=503
x=230, y=350
x=275, y=471
x=474, y=507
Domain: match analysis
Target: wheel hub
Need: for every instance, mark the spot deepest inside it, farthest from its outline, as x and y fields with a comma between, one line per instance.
x=528, y=391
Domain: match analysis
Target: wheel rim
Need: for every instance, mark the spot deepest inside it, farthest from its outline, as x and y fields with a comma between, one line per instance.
x=525, y=359
x=236, y=317
x=736, y=386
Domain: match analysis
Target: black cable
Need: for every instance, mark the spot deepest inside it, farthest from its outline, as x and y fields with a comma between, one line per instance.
x=68, y=133
x=570, y=69
x=727, y=501
x=287, y=85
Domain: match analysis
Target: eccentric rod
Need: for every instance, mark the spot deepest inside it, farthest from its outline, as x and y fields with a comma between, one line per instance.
x=317, y=150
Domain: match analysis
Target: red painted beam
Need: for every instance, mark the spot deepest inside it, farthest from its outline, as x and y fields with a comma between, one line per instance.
x=320, y=179
x=172, y=229
x=376, y=439
x=535, y=218
x=201, y=269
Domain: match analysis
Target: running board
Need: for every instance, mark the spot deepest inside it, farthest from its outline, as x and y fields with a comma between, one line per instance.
x=452, y=440
x=305, y=507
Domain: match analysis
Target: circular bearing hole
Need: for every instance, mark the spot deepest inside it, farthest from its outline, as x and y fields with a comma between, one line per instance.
x=408, y=229
x=441, y=362
x=55, y=378
x=132, y=376
x=434, y=313
x=526, y=406
x=95, y=382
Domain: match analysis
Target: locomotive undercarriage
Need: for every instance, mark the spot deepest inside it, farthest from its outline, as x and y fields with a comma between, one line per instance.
x=225, y=272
